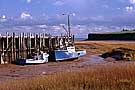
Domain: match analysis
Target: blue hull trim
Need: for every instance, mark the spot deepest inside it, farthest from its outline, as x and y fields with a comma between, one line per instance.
x=61, y=55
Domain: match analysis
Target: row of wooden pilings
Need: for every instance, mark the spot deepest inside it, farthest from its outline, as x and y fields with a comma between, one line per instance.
x=14, y=46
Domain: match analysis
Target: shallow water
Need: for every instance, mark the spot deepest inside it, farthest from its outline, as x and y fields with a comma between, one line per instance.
x=96, y=59
x=92, y=59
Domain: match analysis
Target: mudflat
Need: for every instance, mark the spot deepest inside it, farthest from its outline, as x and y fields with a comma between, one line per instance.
x=91, y=60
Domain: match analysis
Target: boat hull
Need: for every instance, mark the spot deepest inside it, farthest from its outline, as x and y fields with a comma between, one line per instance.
x=29, y=61
x=62, y=55
x=43, y=58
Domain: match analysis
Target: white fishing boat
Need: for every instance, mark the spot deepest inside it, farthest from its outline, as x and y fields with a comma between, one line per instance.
x=37, y=59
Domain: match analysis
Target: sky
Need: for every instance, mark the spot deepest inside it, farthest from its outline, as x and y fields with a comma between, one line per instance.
x=101, y=14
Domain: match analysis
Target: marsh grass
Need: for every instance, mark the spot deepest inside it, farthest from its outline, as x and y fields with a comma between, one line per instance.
x=107, y=77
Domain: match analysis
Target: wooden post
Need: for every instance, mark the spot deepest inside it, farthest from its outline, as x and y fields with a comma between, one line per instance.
x=73, y=39
x=30, y=43
x=23, y=42
x=24, y=45
x=27, y=44
x=50, y=40
x=35, y=41
x=58, y=40
x=7, y=39
x=1, y=59
x=2, y=50
x=7, y=46
x=14, y=47
x=19, y=45
x=3, y=45
x=40, y=41
x=55, y=43
x=43, y=39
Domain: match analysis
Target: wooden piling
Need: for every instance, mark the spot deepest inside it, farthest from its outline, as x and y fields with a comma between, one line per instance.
x=44, y=40
x=35, y=41
x=30, y=43
x=0, y=50
x=15, y=46
x=12, y=48
x=19, y=46
x=7, y=47
x=40, y=42
x=23, y=41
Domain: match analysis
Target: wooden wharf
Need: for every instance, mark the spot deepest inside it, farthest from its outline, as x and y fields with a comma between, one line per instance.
x=15, y=46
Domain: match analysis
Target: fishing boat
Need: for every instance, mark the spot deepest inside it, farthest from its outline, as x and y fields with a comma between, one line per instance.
x=37, y=59
x=69, y=53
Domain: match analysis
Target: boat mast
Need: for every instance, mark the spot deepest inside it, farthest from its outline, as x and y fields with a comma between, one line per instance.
x=68, y=30
x=68, y=25
x=68, y=21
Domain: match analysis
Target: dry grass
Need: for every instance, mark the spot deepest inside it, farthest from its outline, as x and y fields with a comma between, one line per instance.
x=116, y=76
x=98, y=47
x=108, y=77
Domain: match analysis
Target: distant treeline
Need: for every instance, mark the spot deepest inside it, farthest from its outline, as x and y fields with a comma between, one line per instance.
x=113, y=36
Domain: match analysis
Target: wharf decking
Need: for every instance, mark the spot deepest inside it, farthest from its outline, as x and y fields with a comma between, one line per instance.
x=14, y=46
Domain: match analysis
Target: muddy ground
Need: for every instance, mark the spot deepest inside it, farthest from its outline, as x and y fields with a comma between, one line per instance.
x=92, y=60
